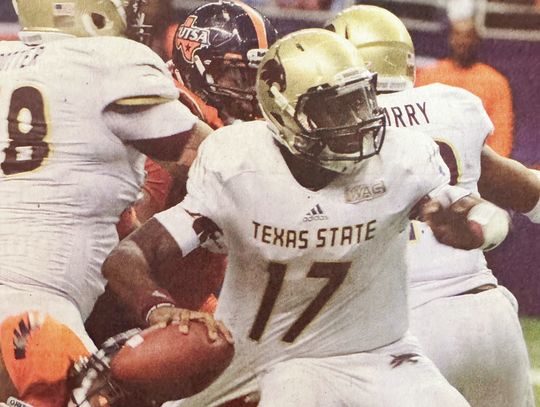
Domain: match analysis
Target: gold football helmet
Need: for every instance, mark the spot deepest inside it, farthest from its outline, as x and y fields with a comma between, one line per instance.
x=383, y=41
x=80, y=18
x=314, y=87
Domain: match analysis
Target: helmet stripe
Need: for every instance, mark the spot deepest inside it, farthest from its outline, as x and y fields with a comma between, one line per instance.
x=258, y=23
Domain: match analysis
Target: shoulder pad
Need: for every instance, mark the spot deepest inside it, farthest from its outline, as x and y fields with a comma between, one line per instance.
x=131, y=72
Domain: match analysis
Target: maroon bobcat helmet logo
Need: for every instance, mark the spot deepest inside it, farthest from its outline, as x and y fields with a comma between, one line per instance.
x=189, y=38
x=273, y=73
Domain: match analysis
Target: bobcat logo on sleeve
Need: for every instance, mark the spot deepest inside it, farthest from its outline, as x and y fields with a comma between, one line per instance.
x=190, y=38
x=273, y=73
x=210, y=235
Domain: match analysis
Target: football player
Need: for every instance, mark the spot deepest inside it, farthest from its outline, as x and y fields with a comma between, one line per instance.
x=216, y=52
x=466, y=322
x=313, y=210
x=78, y=106
x=234, y=37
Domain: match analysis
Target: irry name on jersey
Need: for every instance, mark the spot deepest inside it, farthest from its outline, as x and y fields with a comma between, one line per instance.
x=406, y=115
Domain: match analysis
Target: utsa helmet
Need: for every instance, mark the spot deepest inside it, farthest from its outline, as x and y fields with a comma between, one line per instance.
x=383, y=41
x=314, y=87
x=80, y=18
x=217, y=50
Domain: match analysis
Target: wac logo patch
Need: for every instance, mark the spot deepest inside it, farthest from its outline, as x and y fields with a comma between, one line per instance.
x=189, y=38
x=360, y=193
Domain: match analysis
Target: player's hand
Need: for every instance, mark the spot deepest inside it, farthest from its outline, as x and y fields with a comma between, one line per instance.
x=450, y=226
x=182, y=317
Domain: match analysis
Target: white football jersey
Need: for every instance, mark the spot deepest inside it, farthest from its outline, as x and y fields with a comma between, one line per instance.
x=65, y=176
x=459, y=124
x=310, y=273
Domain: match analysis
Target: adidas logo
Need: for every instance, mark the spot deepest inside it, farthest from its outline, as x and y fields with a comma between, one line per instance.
x=316, y=213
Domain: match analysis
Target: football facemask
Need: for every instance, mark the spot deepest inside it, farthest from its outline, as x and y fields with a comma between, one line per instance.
x=90, y=377
x=231, y=85
x=340, y=122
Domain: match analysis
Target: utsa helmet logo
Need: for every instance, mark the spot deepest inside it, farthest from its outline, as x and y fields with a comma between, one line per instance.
x=273, y=72
x=189, y=38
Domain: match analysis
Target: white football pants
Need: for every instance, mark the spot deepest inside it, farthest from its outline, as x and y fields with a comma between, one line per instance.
x=476, y=342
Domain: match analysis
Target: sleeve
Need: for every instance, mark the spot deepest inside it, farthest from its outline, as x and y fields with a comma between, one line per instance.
x=475, y=122
x=194, y=222
x=432, y=171
x=149, y=122
x=502, y=113
x=205, y=183
x=436, y=176
x=479, y=117
x=134, y=74
x=138, y=93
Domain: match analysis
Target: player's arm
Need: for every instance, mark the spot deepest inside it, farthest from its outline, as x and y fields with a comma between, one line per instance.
x=129, y=268
x=143, y=110
x=165, y=132
x=166, y=238
x=456, y=217
x=509, y=184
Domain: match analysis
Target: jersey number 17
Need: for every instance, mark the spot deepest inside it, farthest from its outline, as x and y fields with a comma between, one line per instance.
x=334, y=272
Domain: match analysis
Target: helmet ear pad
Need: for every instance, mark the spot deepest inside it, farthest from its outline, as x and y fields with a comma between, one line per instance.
x=223, y=37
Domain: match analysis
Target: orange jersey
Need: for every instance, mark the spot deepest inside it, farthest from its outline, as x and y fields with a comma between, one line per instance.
x=486, y=83
x=157, y=185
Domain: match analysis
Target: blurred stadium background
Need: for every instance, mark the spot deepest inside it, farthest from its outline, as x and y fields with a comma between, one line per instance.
x=511, y=43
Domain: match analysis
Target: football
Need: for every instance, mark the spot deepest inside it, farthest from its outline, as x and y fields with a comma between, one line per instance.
x=166, y=364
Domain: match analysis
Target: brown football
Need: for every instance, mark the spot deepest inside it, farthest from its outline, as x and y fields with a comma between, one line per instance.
x=168, y=365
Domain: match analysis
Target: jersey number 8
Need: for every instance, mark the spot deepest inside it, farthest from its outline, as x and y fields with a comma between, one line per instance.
x=27, y=129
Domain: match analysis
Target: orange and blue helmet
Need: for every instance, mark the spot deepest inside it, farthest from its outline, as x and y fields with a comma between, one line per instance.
x=217, y=50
